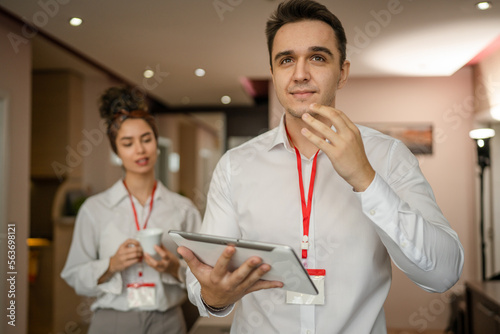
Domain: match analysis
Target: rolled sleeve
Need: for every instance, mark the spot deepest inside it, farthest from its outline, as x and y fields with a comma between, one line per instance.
x=114, y=285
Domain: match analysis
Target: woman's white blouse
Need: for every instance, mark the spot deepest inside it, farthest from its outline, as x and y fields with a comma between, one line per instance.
x=103, y=223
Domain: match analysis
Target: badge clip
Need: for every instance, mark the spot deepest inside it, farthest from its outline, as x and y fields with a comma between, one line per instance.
x=305, y=242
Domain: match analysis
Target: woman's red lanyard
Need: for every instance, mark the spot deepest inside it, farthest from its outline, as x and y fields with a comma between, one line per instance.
x=135, y=215
x=133, y=207
x=306, y=206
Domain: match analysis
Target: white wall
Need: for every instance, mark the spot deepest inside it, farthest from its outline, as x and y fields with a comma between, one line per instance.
x=15, y=86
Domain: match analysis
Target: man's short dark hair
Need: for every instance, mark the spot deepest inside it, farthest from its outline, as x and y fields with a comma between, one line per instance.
x=300, y=10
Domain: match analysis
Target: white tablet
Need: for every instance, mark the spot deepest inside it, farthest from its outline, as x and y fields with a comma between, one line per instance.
x=285, y=265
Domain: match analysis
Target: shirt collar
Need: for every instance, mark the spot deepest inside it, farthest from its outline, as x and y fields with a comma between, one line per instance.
x=280, y=137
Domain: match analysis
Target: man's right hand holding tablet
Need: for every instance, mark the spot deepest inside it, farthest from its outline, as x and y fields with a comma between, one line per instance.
x=221, y=287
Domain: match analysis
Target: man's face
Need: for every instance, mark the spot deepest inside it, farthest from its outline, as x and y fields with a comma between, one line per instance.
x=306, y=66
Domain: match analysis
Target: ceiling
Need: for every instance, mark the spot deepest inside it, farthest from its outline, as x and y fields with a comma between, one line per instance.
x=226, y=38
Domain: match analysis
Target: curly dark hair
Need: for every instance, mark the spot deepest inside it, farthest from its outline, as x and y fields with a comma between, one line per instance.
x=118, y=104
x=300, y=10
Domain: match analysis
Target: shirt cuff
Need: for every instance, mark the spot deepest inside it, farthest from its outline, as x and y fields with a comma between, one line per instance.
x=195, y=290
x=114, y=285
x=377, y=201
x=222, y=313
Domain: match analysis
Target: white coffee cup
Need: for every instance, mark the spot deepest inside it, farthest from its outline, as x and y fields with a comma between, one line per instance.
x=148, y=238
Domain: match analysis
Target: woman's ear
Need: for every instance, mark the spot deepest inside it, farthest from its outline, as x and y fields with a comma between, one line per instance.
x=115, y=159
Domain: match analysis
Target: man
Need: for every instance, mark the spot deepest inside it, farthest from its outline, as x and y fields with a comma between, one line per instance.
x=346, y=197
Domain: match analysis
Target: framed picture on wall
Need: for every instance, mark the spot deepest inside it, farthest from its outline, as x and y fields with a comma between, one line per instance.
x=416, y=136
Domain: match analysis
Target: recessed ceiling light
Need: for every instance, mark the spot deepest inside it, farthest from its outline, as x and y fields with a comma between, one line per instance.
x=483, y=5
x=75, y=21
x=148, y=74
x=225, y=99
x=199, y=72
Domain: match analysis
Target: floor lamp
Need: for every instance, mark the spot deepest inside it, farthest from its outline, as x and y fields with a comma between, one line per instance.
x=482, y=138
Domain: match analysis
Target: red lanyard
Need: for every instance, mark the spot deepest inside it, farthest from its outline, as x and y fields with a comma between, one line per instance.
x=135, y=212
x=306, y=206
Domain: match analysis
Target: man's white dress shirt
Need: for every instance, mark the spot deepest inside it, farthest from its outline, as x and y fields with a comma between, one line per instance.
x=103, y=223
x=255, y=195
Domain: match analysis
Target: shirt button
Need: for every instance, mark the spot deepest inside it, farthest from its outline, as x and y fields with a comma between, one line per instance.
x=372, y=212
x=404, y=244
x=308, y=332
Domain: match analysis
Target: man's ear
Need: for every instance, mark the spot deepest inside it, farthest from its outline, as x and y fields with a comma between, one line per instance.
x=344, y=74
x=272, y=74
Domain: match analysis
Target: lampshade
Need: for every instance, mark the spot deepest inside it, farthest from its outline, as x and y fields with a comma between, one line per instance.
x=482, y=133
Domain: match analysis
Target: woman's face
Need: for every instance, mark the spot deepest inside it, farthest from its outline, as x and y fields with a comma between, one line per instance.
x=136, y=146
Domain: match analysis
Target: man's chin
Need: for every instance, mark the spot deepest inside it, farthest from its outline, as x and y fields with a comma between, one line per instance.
x=298, y=112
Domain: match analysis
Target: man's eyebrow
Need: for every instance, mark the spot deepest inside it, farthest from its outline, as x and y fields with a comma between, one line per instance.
x=321, y=49
x=283, y=53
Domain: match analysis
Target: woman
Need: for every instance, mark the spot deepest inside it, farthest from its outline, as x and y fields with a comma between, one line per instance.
x=136, y=292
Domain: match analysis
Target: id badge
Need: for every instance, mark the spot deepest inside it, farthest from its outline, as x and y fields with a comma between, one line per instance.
x=141, y=294
x=318, y=278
